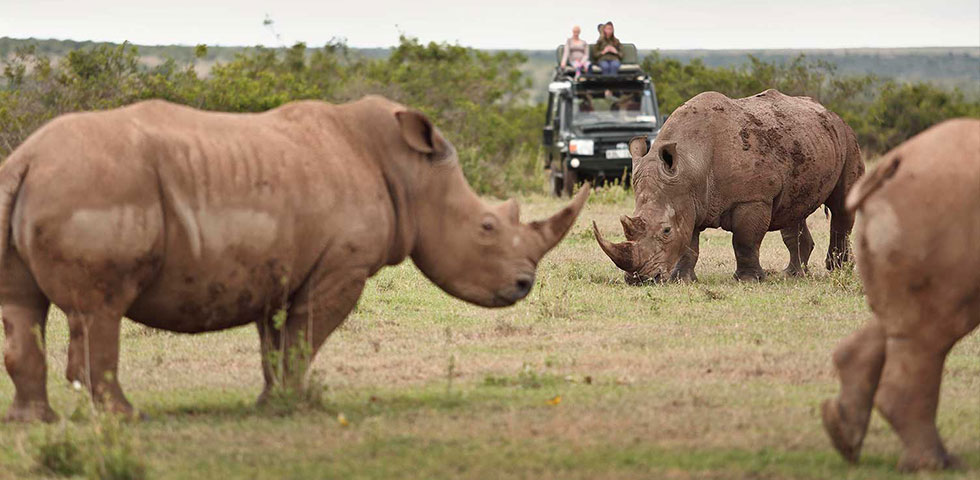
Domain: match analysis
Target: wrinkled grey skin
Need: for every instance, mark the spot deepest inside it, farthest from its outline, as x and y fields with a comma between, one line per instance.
x=917, y=241
x=748, y=166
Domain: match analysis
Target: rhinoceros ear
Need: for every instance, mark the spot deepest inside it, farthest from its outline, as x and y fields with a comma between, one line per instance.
x=638, y=147
x=419, y=133
x=668, y=155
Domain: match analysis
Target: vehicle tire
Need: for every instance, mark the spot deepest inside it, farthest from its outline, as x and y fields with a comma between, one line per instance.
x=555, y=182
x=570, y=181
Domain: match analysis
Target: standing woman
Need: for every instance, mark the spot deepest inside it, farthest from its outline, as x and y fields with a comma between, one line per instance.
x=608, y=50
x=576, y=53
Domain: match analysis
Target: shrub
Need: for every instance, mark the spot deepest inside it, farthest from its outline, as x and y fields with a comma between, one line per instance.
x=58, y=453
x=882, y=113
x=479, y=99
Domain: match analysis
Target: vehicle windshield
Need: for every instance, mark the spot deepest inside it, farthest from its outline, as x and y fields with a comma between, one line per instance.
x=613, y=106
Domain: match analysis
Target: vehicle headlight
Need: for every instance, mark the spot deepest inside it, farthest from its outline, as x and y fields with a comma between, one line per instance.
x=581, y=147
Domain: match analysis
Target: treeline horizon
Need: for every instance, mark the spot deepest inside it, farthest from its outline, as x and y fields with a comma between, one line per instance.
x=947, y=66
x=481, y=100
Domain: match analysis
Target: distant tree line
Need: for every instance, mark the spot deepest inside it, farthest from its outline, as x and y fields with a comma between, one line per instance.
x=479, y=99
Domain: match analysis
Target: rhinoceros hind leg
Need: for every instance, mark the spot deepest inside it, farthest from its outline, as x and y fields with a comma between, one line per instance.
x=841, y=222
x=908, y=398
x=800, y=244
x=25, y=311
x=316, y=309
x=750, y=222
x=858, y=359
x=93, y=358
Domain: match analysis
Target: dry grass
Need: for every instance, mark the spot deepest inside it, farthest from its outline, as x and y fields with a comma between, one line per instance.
x=712, y=380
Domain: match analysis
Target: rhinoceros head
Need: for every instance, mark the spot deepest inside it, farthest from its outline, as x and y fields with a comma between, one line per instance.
x=476, y=252
x=662, y=223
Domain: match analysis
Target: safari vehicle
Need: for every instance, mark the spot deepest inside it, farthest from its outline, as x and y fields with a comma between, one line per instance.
x=591, y=119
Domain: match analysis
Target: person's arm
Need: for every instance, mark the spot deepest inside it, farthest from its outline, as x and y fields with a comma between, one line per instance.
x=588, y=49
x=564, y=55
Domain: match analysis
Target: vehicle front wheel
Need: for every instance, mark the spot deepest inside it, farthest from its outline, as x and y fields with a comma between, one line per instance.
x=556, y=183
x=571, y=178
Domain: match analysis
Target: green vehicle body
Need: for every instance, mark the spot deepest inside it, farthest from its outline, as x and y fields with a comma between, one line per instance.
x=604, y=111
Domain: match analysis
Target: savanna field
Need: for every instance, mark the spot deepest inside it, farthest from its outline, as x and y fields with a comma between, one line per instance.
x=586, y=378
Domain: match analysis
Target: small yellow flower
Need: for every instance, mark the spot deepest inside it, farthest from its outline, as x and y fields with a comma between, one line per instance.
x=554, y=401
x=342, y=420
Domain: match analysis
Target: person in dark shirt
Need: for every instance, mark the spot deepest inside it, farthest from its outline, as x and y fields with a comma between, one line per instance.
x=608, y=50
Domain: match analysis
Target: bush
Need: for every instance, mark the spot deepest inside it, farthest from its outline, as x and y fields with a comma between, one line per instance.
x=479, y=99
x=882, y=113
x=106, y=451
x=59, y=454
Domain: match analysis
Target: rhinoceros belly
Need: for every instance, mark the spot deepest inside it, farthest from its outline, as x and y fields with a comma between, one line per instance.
x=222, y=269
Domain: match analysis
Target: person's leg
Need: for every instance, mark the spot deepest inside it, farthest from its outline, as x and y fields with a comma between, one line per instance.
x=614, y=67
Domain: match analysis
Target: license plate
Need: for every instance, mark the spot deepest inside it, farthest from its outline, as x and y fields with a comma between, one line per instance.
x=618, y=153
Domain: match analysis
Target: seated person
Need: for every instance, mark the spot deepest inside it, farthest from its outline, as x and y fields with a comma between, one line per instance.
x=627, y=103
x=576, y=53
x=608, y=50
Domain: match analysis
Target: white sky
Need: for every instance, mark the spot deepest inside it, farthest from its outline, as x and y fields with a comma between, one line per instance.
x=713, y=24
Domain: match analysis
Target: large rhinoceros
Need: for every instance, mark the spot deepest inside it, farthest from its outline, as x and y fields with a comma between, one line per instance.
x=918, y=252
x=194, y=221
x=749, y=166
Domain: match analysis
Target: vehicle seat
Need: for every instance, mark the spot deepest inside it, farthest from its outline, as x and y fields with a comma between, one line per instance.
x=631, y=62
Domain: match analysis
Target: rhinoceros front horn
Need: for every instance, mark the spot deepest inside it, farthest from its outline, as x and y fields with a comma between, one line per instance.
x=622, y=254
x=552, y=230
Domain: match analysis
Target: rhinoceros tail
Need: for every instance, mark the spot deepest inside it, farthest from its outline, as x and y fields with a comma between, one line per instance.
x=12, y=173
x=871, y=182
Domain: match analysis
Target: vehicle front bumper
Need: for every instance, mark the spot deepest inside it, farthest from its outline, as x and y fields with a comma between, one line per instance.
x=596, y=166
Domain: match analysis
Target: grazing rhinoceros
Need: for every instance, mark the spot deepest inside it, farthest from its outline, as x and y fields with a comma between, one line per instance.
x=918, y=252
x=749, y=166
x=194, y=221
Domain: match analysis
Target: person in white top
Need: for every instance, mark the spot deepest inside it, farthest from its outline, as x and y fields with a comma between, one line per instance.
x=576, y=53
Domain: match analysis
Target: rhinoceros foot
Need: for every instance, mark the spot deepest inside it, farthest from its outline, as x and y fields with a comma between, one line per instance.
x=31, y=412
x=914, y=460
x=684, y=276
x=796, y=271
x=848, y=445
x=758, y=275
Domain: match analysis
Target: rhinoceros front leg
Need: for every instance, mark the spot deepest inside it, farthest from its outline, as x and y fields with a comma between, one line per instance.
x=315, y=311
x=750, y=222
x=684, y=271
x=25, y=311
x=858, y=359
x=800, y=244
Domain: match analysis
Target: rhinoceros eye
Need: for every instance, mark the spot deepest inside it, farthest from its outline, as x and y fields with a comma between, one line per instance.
x=488, y=224
x=666, y=230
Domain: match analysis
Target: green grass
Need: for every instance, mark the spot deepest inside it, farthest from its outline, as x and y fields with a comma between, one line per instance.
x=711, y=380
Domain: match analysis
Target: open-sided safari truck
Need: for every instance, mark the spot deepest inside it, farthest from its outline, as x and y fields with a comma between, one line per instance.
x=590, y=120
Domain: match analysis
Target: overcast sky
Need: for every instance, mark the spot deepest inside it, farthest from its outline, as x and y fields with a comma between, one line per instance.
x=713, y=24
